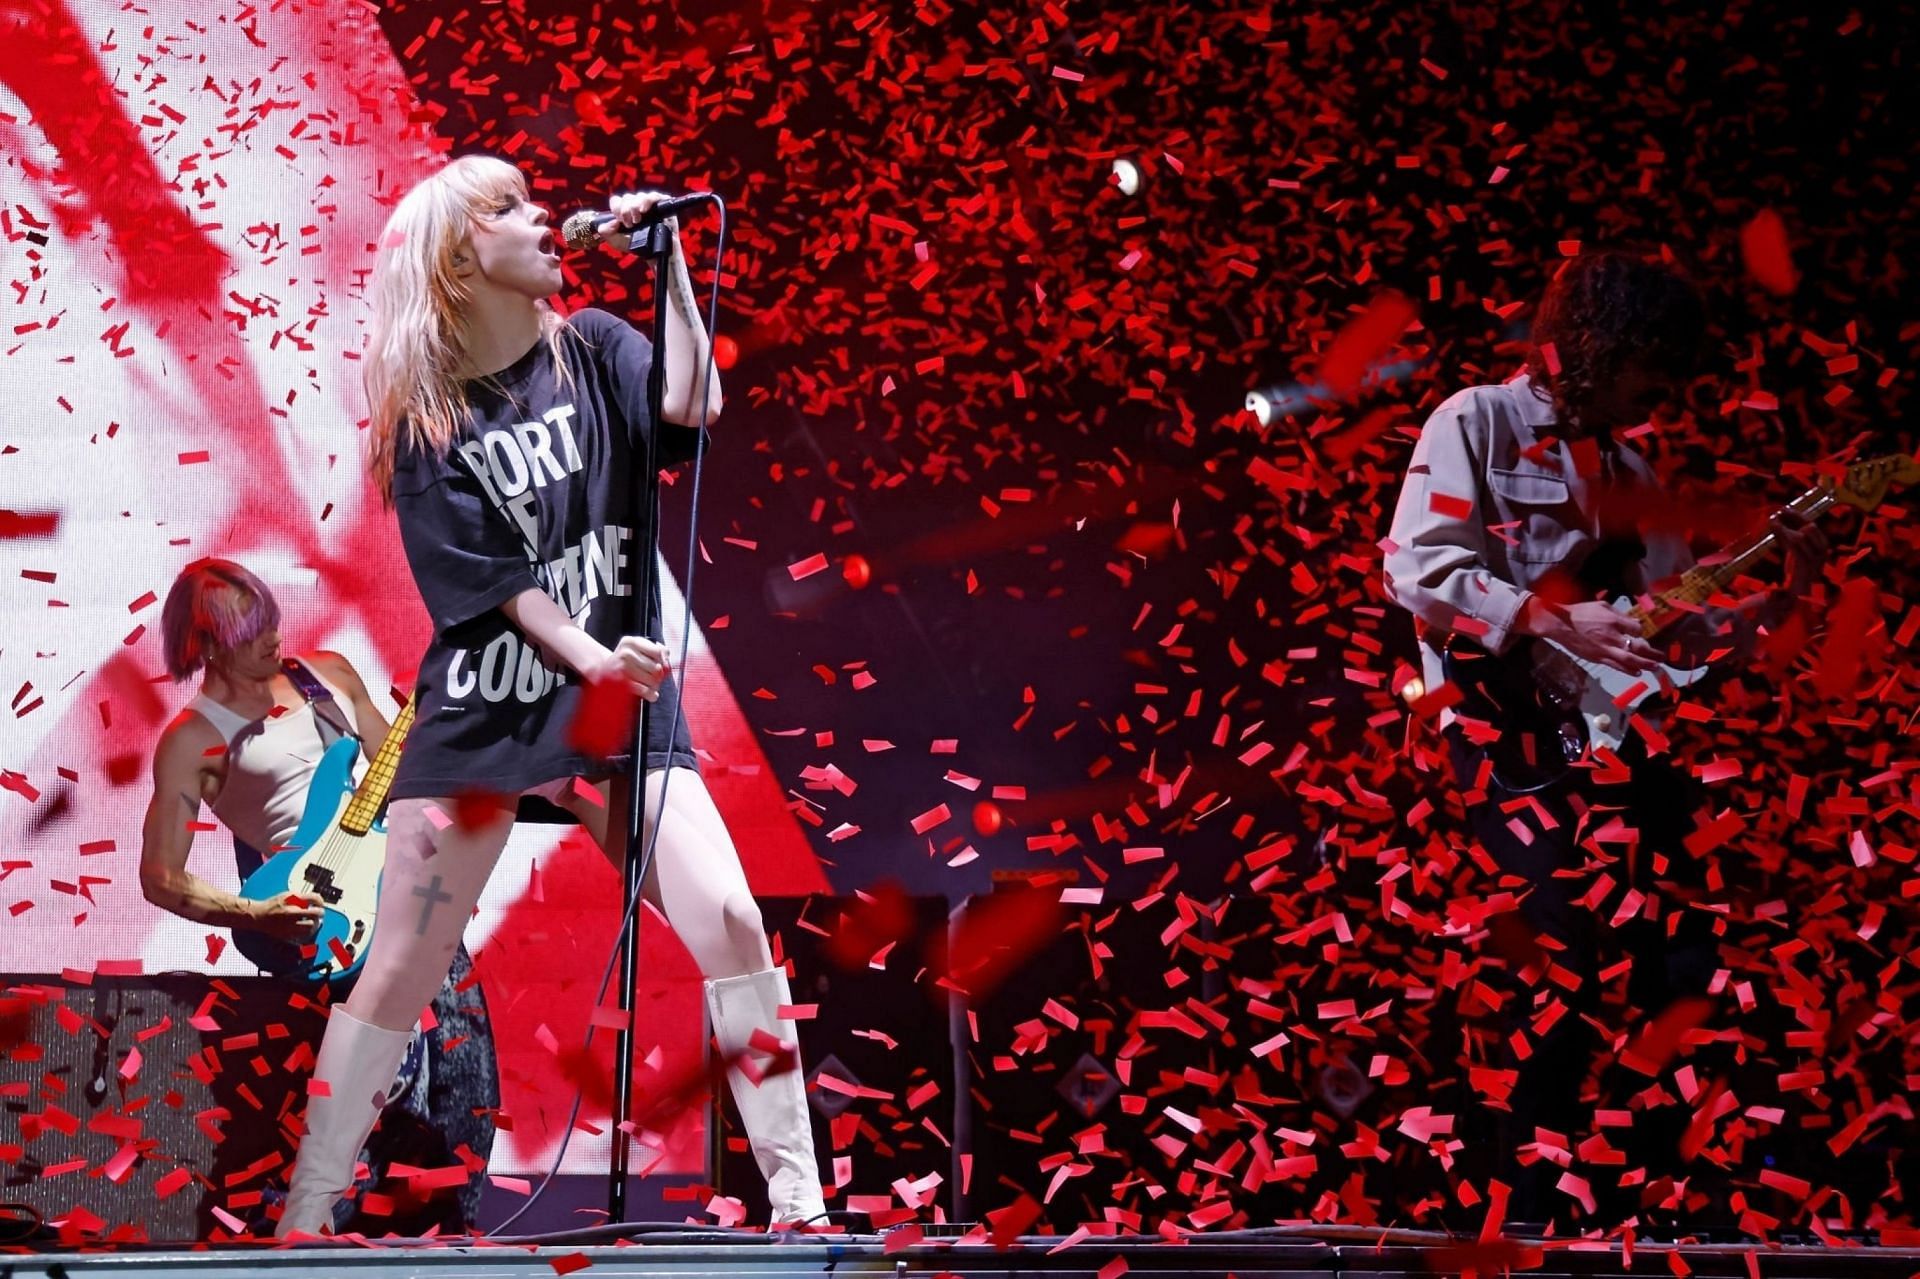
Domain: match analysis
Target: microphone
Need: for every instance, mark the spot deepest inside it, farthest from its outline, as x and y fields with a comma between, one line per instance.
x=589, y=227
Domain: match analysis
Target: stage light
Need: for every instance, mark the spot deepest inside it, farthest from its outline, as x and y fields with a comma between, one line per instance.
x=1270, y=403
x=1267, y=403
x=1413, y=690
x=857, y=571
x=726, y=352
x=987, y=817
x=1126, y=176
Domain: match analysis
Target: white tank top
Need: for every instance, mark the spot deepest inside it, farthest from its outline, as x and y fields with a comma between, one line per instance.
x=269, y=765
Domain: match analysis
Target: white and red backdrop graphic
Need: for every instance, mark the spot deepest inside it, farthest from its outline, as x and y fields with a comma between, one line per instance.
x=189, y=201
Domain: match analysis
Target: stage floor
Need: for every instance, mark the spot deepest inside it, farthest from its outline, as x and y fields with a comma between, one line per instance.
x=1250, y=1257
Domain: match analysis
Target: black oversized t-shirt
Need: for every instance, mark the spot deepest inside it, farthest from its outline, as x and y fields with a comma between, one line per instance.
x=542, y=489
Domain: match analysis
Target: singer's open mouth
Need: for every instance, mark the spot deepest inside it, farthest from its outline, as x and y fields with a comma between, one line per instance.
x=549, y=245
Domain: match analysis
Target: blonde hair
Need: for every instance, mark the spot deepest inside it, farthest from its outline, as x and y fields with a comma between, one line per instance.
x=415, y=361
x=213, y=607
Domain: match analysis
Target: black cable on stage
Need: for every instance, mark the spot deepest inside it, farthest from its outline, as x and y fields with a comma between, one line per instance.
x=20, y=1223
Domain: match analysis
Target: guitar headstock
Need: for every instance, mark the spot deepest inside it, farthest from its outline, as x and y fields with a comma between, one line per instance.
x=1865, y=484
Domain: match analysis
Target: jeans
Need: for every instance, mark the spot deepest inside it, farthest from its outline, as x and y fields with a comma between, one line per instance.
x=1563, y=943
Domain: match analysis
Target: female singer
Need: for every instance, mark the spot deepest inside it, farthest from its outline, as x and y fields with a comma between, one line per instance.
x=509, y=441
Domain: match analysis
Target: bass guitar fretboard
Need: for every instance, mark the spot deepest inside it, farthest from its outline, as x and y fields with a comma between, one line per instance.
x=372, y=791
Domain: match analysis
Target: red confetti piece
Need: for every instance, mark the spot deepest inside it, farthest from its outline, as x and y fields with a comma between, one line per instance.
x=997, y=935
x=1763, y=247
x=1854, y=629
x=172, y=1182
x=604, y=724
x=931, y=818
x=1660, y=1039
x=476, y=809
x=808, y=567
x=1363, y=341
x=1009, y=1223
x=24, y=524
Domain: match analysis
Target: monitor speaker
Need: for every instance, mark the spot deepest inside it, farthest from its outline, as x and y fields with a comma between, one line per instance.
x=148, y=1107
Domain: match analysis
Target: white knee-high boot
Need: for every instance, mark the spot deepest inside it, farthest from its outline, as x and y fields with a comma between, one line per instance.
x=358, y=1062
x=774, y=1111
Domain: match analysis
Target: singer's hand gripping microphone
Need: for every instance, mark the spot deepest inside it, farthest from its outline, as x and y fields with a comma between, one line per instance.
x=589, y=227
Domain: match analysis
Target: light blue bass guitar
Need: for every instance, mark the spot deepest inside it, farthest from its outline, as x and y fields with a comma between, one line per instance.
x=334, y=861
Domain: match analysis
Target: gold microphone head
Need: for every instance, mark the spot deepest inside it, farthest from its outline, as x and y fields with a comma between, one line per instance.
x=581, y=230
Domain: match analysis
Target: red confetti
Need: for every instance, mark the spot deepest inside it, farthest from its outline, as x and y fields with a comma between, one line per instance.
x=1363, y=341
x=931, y=818
x=18, y=524
x=1763, y=247
x=604, y=724
x=998, y=934
x=807, y=567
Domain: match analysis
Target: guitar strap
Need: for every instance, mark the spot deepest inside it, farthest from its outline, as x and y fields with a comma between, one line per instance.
x=326, y=711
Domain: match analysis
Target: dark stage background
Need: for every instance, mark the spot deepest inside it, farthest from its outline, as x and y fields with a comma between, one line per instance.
x=996, y=577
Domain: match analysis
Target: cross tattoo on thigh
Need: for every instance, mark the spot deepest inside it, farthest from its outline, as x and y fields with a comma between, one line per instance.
x=430, y=896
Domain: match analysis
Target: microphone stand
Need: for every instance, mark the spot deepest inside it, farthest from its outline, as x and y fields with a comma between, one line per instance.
x=656, y=243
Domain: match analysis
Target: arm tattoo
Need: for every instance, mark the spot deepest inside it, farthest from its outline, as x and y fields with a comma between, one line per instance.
x=680, y=290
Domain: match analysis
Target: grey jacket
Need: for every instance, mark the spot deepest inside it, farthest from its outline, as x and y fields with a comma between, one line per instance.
x=1485, y=513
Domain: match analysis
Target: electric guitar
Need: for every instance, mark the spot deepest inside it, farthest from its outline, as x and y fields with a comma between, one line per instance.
x=1553, y=707
x=334, y=861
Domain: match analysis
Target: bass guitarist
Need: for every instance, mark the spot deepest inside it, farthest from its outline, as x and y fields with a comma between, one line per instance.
x=247, y=745
x=1521, y=514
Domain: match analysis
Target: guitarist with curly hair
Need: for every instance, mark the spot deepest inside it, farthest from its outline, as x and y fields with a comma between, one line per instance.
x=1522, y=514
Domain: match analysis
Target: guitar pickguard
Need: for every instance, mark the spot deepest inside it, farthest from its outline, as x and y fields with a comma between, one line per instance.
x=328, y=867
